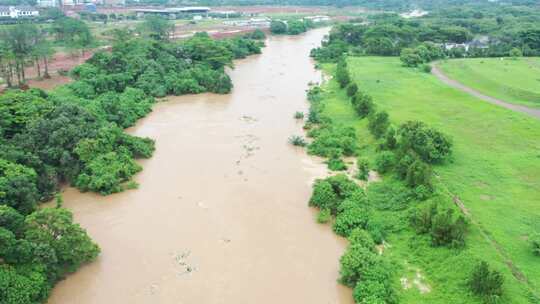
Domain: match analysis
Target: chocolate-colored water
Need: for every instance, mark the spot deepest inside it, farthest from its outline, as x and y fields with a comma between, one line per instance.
x=221, y=213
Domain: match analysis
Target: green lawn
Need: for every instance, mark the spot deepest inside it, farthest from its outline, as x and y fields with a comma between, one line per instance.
x=495, y=171
x=513, y=80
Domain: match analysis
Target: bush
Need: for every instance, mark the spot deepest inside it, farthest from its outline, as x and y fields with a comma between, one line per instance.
x=389, y=194
x=323, y=196
x=389, y=140
x=328, y=193
x=534, y=240
x=330, y=137
x=335, y=163
x=324, y=216
x=352, y=88
x=356, y=261
x=426, y=68
x=378, y=123
x=363, y=168
x=444, y=227
x=299, y=115
x=486, y=283
x=384, y=161
x=418, y=174
x=353, y=215
x=297, y=140
x=359, y=236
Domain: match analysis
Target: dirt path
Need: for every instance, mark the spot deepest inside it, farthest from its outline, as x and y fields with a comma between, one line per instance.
x=453, y=83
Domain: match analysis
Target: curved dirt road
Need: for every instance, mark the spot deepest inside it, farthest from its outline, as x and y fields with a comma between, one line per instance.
x=453, y=83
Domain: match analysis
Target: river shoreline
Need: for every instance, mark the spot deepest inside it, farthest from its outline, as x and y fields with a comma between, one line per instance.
x=221, y=212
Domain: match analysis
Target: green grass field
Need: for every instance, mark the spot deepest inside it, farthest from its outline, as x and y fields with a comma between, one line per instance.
x=495, y=171
x=512, y=80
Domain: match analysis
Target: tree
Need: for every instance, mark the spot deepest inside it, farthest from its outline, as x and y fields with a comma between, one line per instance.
x=157, y=27
x=363, y=104
x=352, y=88
x=296, y=27
x=378, y=123
x=486, y=283
x=73, y=33
x=54, y=227
x=18, y=187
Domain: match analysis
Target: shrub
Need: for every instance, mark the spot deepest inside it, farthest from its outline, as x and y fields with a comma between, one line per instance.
x=378, y=123
x=323, y=196
x=330, y=137
x=426, y=68
x=356, y=261
x=376, y=285
x=534, y=240
x=352, y=88
x=363, y=168
x=363, y=104
x=354, y=215
x=486, y=283
x=335, y=163
x=324, y=216
x=384, y=161
x=447, y=229
x=298, y=141
x=418, y=174
x=359, y=236
x=299, y=115
x=389, y=195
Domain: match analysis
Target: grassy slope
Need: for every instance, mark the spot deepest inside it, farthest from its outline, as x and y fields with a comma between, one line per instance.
x=495, y=172
x=515, y=81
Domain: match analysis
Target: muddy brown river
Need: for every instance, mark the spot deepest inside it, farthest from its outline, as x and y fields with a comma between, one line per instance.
x=221, y=213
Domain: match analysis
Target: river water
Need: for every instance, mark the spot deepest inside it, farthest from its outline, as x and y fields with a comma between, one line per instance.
x=221, y=213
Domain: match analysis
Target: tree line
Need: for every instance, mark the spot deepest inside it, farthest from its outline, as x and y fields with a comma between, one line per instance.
x=27, y=44
x=487, y=31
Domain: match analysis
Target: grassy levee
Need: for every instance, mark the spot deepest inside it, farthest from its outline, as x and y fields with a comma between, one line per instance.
x=494, y=171
x=512, y=80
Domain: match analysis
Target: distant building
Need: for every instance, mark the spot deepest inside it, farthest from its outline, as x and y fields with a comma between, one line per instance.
x=252, y=22
x=173, y=12
x=317, y=19
x=48, y=3
x=15, y=12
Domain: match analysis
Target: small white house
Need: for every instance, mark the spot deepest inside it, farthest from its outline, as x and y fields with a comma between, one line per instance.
x=15, y=12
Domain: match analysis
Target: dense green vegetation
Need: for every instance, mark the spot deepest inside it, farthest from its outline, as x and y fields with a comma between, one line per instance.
x=74, y=135
x=449, y=31
x=418, y=216
x=291, y=26
x=510, y=80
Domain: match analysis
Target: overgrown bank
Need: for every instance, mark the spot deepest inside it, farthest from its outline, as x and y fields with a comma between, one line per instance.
x=74, y=135
x=434, y=252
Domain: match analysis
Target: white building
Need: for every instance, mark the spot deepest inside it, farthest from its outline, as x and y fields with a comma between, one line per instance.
x=15, y=12
x=317, y=19
x=48, y=3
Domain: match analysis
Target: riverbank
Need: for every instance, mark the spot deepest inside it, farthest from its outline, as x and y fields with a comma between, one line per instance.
x=220, y=214
x=486, y=183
